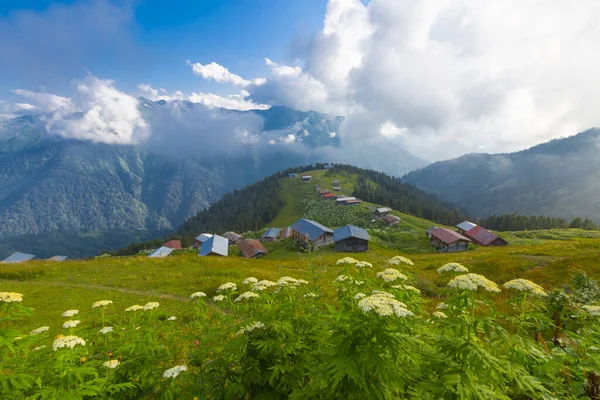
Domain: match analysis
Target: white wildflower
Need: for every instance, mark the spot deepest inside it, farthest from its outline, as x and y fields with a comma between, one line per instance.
x=363, y=264
x=452, y=267
x=246, y=296
x=227, y=286
x=383, y=293
x=197, y=295
x=10, y=297
x=70, y=313
x=71, y=323
x=359, y=296
x=310, y=295
x=301, y=282
x=106, y=330
x=439, y=314
x=472, y=282
x=441, y=306
x=349, y=279
x=135, y=307
x=390, y=275
x=346, y=260
x=101, y=303
x=286, y=280
x=18, y=338
x=39, y=347
x=150, y=306
x=593, y=310
x=218, y=298
x=39, y=330
x=397, y=260
x=384, y=306
x=263, y=285
x=172, y=318
x=527, y=286
x=67, y=341
x=341, y=278
x=407, y=288
x=112, y=364
x=250, y=327
x=249, y=281
x=173, y=372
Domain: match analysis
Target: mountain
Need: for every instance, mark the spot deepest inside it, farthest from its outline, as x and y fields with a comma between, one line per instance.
x=560, y=178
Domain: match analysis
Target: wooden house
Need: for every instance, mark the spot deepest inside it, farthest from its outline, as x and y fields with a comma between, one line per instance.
x=342, y=200
x=309, y=233
x=306, y=178
x=335, y=183
x=251, y=248
x=351, y=238
x=391, y=220
x=285, y=232
x=483, y=237
x=351, y=202
x=448, y=241
x=381, y=212
x=324, y=191
x=216, y=245
x=233, y=237
x=173, y=244
x=270, y=235
x=428, y=231
x=329, y=196
x=465, y=226
x=293, y=175
x=337, y=189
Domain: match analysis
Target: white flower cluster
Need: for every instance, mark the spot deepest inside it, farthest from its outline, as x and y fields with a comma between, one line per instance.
x=40, y=347
x=384, y=305
x=527, y=286
x=106, y=330
x=172, y=318
x=227, y=286
x=218, y=298
x=363, y=264
x=310, y=295
x=135, y=307
x=452, y=267
x=289, y=281
x=39, y=330
x=390, y=275
x=441, y=306
x=439, y=314
x=71, y=323
x=472, y=282
x=70, y=313
x=593, y=310
x=197, y=295
x=112, y=364
x=407, y=288
x=249, y=281
x=101, y=303
x=263, y=285
x=11, y=297
x=250, y=327
x=150, y=306
x=349, y=279
x=384, y=294
x=246, y=296
x=397, y=260
x=346, y=260
x=175, y=371
x=359, y=296
x=67, y=341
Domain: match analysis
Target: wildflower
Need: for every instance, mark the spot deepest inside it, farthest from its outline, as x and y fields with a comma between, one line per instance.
x=384, y=294
x=39, y=347
x=250, y=327
x=310, y=295
x=173, y=318
x=390, y=275
x=135, y=307
x=363, y=264
x=173, y=372
x=67, y=341
x=112, y=364
x=106, y=330
x=286, y=280
x=18, y=338
x=452, y=267
x=397, y=260
x=302, y=282
x=249, y=281
x=526, y=285
x=346, y=260
x=39, y=330
x=384, y=306
x=472, y=281
x=341, y=278
x=245, y=296
x=198, y=295
x=11, y=297
x=593, y=310
x=439, y=314
x=407, y=288
x=71, y=323
x=441, y=306
x=218, y=298
x=359, y=296
x=150, y=306
x=101, y=303
x=70, y=313
x=263, y=285
x=344, y=278
x=227, y=286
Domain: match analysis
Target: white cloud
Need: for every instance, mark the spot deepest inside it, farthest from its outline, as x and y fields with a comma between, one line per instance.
x=47, y=101
x=220, y=74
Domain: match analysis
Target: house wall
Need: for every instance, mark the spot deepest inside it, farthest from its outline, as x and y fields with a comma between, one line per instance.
x=352, y=245
x=460, y=245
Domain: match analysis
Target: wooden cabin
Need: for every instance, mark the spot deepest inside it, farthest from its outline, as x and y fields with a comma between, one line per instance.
x=251, y=248
x=271, y=235
x=351, y=239
x=306, y=178
x=381, y=212
x=483, y=237
x=448, y=241
x=309, y=233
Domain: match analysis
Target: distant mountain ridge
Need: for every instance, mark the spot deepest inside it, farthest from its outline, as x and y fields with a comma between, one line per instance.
x=559, y=178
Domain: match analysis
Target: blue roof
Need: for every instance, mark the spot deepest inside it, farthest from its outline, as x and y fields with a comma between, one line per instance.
x=272, y=233
x=162, y=251
x=18, y=257
x=203, y=237
x=310, y=228
x=215, y=245
x=349, y=231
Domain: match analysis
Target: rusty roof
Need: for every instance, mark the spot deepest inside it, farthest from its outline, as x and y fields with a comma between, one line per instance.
x=482, y=235
x=173, y=244
x=251, y=248
x=447, y=236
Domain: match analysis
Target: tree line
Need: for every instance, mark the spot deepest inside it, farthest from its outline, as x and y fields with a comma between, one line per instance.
x=515, y=222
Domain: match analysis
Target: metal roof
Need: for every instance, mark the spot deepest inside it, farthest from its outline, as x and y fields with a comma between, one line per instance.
x=272, y=233
x=344, y=199
x=215, y=245
x=349, y=231
x=310, y=228
x=203, y=237
x=447, y=236
x=18, y=257
x=233, y=237
x=433, y=228
x=58, y=258
x=161, y=252
x=482, y=235
x=251, y=248
x=383, y=209
x=466, y=226
x=174, y=244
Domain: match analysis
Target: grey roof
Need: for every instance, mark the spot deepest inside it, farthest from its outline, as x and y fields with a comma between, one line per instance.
x=58, y=258
x=18, y=257
x=344, y=199
x=433, y=228
x=203, y=237
x=161, y=252
x=466, y=226
x=272, y=233
x=310, y=228
x=215, y=245
x=349, y=231
x=383, y=209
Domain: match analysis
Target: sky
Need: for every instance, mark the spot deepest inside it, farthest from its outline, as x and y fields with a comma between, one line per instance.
x=439, y=77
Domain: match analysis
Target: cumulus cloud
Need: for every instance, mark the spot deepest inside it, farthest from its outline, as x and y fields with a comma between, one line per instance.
x=47, y=101
x=220, y=74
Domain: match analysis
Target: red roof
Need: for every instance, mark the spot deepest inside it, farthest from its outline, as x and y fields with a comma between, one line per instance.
x=251, y=248
x=328, y=196
x=173, y=244
x=447, y=236
x=481, y=235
